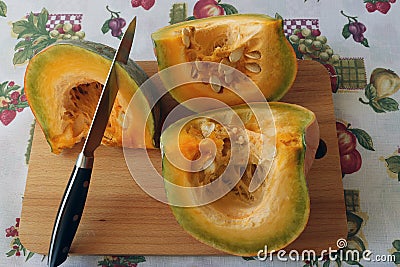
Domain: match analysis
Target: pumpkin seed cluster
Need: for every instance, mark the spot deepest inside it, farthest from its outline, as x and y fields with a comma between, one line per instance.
x=240, y=58
x=212, y=167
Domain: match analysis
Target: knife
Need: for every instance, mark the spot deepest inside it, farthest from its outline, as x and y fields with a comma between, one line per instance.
x=72, y=204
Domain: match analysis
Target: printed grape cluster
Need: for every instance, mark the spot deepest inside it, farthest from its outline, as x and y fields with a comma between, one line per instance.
x=312, y=45
x=66, y=31
x=116, y=25
x=357, y=29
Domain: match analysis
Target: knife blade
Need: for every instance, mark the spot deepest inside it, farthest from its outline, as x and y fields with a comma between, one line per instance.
x=74, y=198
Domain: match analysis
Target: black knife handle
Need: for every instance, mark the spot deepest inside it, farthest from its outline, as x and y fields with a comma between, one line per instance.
x=70, y=211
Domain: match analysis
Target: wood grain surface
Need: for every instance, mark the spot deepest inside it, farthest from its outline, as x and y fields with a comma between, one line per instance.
x=121, y=219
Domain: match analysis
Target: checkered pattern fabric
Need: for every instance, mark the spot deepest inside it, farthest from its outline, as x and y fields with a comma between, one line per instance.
x=289, y=25
x=55, y=19
x=352, y=73
x=352, y=200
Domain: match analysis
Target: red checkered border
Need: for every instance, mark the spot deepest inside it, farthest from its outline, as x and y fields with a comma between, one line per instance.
x=289, y=25
x=55, y=19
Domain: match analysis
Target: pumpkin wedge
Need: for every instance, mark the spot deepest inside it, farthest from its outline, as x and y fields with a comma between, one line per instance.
x=254, y=44
x=243, y=222
x=63, y=84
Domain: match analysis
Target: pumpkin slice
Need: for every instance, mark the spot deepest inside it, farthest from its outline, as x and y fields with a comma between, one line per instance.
x=252, y=43
x=63, y=85
x=244, y=221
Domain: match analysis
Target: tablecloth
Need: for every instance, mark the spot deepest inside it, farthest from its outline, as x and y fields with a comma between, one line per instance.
x=357, y=41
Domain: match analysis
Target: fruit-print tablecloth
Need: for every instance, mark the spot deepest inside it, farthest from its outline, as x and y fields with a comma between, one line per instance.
x=357, y=41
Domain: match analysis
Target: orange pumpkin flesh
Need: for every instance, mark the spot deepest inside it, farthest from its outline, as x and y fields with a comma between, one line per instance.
x=243, y=222
x=63, y=84
x=253, y=44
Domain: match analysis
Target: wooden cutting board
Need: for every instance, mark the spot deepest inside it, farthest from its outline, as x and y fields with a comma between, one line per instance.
x=120, y=219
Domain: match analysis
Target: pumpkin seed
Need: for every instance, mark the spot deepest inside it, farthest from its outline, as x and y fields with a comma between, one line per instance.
x=207, y=128
x=236, y=55
x=185, y=37
x=215, y=83
x=186, y=40
x=121, y=118
x=199, y=65
x=207, y=146
x=194, y=73
x=228, y=71
x=240, y=140
x=208, y=162
x=253, y=67
x=216, y=88
x=209, y=169
x=253, y=55
x=221, y=67
x=224, y=66
x=186, y=31
x=228, y=78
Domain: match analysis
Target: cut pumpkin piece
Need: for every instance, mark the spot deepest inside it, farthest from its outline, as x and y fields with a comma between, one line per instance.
x=253, y=44
x=244, y=221
x=63, y=84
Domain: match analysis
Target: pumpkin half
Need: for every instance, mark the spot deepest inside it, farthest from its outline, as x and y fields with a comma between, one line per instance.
x=63, y=84
x=243, y=222
x=254, y=44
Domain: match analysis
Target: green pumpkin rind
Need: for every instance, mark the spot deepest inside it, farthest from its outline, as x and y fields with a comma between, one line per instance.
x=281, y=58
x=102, y=56
x=248, y=241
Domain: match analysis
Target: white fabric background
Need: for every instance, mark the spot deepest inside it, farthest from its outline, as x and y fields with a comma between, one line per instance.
x=380, y=195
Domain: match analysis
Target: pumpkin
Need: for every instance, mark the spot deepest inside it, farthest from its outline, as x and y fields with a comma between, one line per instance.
x=254, y=44
x=243, y=221
x=63, y=84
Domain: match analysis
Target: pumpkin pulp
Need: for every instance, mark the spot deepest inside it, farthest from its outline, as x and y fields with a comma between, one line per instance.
x=63, y=84
x=243, y=222
x=251, y=43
